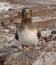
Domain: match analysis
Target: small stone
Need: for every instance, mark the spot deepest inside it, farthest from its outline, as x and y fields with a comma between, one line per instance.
x=54, y=38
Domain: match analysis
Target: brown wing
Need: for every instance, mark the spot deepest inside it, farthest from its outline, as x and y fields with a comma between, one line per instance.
x=39, y=34
x=16, y=36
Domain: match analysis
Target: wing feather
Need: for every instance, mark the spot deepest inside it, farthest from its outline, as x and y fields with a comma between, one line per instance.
x=16, y=36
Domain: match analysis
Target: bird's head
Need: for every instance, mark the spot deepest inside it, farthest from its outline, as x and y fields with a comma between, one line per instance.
x=27, y=13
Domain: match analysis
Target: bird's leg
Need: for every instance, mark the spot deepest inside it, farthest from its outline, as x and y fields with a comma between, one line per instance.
x=23, y=52
x=27, y=49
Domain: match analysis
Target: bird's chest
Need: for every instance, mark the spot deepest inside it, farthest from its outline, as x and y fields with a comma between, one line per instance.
x=28, y=36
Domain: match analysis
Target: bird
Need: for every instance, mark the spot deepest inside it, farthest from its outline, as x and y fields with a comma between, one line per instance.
x=27, y=33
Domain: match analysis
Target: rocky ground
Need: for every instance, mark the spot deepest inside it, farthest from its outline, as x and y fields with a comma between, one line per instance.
x=44, y=17
x=11, y=53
